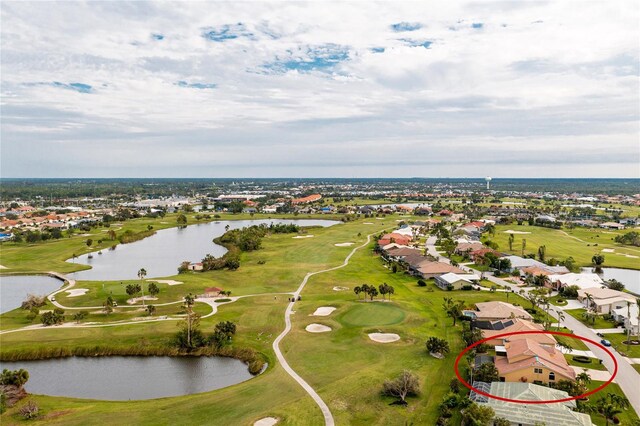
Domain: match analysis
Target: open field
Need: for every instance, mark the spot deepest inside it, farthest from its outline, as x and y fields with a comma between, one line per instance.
x=579, y=243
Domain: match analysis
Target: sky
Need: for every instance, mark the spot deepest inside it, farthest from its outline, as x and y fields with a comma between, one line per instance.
x=322, y=89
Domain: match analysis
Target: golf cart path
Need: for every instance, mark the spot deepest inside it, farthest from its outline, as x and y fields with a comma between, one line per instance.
x=328, y=417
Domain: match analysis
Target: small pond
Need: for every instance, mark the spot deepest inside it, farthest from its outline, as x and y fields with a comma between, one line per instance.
x=161, y=254
x=15, y=288
x=629, y=277
x=118, y=378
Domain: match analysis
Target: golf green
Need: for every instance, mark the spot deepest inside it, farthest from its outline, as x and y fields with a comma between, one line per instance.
x=373, y=313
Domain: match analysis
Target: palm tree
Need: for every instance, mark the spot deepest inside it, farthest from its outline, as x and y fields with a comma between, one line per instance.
x=589, y=317
x=589, y=298
x=561, y=317
x=583, y=379
x=629, y=328
x=453, y=309
x=141, y=274
x=189, y=300
x=524, y=245
x=597, y=260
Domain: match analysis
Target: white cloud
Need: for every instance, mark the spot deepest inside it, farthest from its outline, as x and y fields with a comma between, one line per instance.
x=539, y=83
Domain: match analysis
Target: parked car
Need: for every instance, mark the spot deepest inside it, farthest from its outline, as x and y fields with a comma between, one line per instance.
x=605, y=342
x=599, y=334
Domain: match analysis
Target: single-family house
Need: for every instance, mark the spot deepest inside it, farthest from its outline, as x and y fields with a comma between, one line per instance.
x=212, y=292
x=520, y=263
x=528, y=361
x=515, y=325
x=456, y=281
x=604, y=300
x=468, y=247
x=582, y=280
x=612, y=225
x=534, y=414
x=429, y=269
x=497, y=311
x=628, y=316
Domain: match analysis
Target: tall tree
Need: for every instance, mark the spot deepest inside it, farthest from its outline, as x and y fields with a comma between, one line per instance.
x=524, y=246
x=141, y=274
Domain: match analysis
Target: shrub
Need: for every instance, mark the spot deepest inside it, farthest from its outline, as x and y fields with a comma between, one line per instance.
x=422, y=283
x=582, y=359
x=29, y=410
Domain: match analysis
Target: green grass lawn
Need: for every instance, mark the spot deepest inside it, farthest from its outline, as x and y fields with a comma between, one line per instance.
x=372, y=314
x=556, y=300
x=627, y=417
x=600, y=322
x=576, y=344
x=616, y=340
x=593, y=365
x=579, y=243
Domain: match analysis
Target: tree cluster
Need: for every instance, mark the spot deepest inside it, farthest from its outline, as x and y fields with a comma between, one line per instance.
x=54, y=317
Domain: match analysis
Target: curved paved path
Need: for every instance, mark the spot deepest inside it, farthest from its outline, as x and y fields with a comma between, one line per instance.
x=328, y=417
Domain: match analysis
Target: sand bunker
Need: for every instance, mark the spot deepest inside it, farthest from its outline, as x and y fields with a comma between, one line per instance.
x=608, y=250
x=338, y=288
x=267, y=421
x=169, y=282
x=379, y=218
x=135, y=300
x=384, y=337
x=77, y=292
x=323, y=311
x=3, y=267
x=510, y=231
x=317, y=328
x=343, y=244
x=303, y=236
x=368, y=223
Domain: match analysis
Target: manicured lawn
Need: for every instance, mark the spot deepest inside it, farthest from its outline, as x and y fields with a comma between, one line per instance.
x=616, y=340
x=576, y=344
x=593, y=365
x=556, y=300
x=372, y=313
x=579, y=243
x=636, y=367
x=627, y=417
x=600, y=322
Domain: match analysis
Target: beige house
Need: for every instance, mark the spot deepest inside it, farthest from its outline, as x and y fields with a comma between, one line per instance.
x=528, y=361
x=605, y=300
x=497, y=311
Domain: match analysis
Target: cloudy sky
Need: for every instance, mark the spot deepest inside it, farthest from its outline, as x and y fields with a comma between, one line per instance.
x=292, y=89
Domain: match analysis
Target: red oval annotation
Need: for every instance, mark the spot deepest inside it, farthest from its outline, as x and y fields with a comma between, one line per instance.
x=520, y=401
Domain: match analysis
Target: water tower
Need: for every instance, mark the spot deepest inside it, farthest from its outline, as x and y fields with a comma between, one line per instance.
x=488, y=179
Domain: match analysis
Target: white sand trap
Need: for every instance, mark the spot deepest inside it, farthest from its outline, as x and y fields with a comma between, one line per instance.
x=379, y=218
x=343, y=244
x=510, y=231
x=631, y=256
x=164, y=222
x=368, y=223
x=317, y=328
x=169, y=282
x=75, y=292
x=303, y=236
x=323, y=311
x=384, y=337
x=85, y=235
x=267, y=421
x=3, y=267
x=608, y=250
x=140, y=299
x=338, y=288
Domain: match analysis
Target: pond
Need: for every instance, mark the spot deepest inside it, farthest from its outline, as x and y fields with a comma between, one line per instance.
x=161, y=254
x=15, y=288
x=629, y=277
x=118, y=378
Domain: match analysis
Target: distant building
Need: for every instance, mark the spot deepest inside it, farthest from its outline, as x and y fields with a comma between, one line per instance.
x=306, y=200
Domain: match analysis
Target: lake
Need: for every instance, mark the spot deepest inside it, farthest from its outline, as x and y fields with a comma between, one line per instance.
x=15, y=288
x=118, y=378
x=161, y=254
x=629, y=277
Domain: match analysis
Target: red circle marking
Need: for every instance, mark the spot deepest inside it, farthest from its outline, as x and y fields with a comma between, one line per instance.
x=520, y=401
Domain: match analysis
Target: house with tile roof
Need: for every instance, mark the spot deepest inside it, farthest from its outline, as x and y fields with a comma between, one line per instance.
x=497, y=311
x=516, y=325
x=605, y=300
x=528, y=361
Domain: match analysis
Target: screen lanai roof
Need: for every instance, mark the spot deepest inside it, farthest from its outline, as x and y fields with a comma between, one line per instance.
x=559, y=414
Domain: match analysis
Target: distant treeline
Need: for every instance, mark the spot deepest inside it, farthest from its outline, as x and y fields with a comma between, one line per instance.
x=28, y=189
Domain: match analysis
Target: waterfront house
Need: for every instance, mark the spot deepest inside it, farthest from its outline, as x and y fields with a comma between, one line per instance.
x=605, y=300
